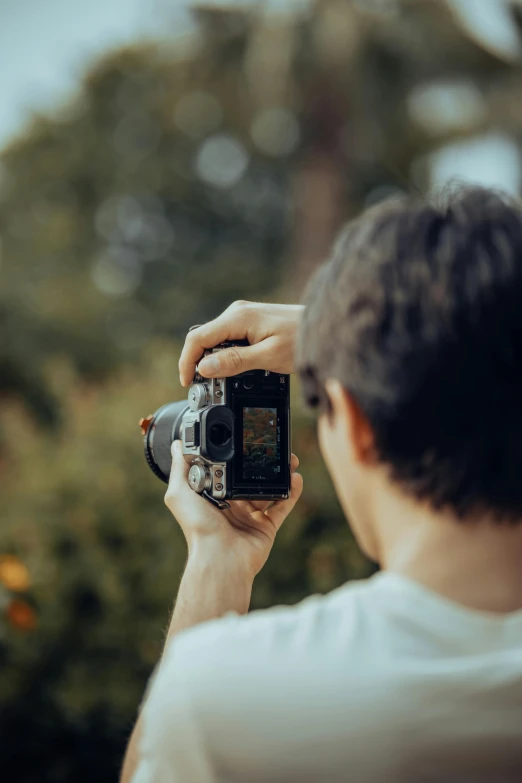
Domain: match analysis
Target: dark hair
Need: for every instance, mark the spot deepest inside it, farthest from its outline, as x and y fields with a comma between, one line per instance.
x=419, y=315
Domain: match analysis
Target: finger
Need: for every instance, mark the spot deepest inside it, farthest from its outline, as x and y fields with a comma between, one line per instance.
x=232, y=361
x=258, y=505
x=281, y=508
x=294, y=463
x=178, y=484
x=231, y=325
x=248, y=518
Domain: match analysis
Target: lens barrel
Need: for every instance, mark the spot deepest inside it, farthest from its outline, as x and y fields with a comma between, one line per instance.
x=164, y=428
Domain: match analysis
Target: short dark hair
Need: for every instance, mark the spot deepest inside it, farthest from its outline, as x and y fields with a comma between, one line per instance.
x=419, y=315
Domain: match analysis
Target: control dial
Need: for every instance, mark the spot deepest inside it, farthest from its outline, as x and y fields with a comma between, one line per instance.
x=199, y=478
x=199, y=396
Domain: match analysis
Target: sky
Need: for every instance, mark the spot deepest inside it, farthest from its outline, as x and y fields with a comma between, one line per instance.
x=47, y=45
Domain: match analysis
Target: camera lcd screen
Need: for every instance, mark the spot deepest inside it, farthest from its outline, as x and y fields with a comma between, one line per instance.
x=261, y=444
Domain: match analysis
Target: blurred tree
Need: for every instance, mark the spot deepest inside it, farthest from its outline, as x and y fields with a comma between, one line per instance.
x=177, y=180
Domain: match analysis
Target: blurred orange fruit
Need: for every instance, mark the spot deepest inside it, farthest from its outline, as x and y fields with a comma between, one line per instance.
x=21, y=615
x=13, y=573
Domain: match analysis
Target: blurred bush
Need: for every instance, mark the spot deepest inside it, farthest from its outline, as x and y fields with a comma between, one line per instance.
x=94, y=563
x=179, y=179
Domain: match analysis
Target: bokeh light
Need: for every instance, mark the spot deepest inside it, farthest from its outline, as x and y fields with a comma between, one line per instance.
x=276, y=131
x=221, y=161
x=21, y=615
x=116, y=272
x=439, y=107
x=14, y=574
x=500, y=162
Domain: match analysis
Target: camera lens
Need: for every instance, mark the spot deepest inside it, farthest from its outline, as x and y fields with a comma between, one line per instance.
x=159, y=430
x=220, y=434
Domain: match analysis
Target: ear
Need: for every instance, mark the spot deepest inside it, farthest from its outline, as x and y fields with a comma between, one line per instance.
x=348, y=416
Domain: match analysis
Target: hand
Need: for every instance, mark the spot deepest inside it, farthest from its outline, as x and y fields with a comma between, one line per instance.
x=243, y=534
x=270, y=329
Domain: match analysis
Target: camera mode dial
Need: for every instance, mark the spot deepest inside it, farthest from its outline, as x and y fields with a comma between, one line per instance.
x=199, y=396
x=199, y=478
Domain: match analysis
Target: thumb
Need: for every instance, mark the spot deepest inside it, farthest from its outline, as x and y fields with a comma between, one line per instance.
x=232, y=361
x=193, y=513
x=178, y=483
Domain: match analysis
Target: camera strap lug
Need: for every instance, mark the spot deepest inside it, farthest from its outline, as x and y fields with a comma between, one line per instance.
x=221, y=504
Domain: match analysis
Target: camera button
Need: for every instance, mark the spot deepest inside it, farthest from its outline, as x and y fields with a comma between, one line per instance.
x=199, y=478
x=198, y=396
x=219, y=473
x=191, y=434
x=235, y=384
x=248, y=383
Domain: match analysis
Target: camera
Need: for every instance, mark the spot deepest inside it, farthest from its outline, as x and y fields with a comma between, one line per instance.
x=235, y=434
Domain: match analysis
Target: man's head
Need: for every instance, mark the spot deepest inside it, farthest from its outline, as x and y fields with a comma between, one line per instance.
x=412, y=347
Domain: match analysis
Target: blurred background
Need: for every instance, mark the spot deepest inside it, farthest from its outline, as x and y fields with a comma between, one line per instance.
x=158, y=161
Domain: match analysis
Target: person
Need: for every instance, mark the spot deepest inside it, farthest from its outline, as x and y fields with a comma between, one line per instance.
x=410, y=347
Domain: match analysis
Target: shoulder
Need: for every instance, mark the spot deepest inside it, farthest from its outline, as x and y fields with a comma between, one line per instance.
x=236, y=658
x=217, y=675
x=276, y=630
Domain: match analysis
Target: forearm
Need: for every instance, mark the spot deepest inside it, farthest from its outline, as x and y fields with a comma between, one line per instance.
x=209, y=589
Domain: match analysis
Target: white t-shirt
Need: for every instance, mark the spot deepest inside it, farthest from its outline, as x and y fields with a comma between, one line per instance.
x=381, y=680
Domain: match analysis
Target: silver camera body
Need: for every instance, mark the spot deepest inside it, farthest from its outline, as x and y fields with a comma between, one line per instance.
x=205, y=475
x=235, y=434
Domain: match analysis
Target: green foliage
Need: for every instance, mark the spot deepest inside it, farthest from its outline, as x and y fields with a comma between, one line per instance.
x=177, y=181
x=110, y=238
x=85, y=515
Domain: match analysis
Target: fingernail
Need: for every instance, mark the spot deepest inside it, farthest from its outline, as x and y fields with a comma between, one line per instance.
x=175, y=448
x=209, y=365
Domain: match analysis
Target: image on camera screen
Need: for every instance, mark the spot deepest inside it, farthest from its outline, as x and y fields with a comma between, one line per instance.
x=260, y=445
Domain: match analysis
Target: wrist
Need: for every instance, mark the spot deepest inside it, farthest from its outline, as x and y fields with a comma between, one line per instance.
x=211, y=559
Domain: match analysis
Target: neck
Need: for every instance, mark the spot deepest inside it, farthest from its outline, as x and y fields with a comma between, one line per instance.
x=476, y=563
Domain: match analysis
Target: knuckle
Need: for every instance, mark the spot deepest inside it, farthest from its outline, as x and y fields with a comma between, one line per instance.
x=193, y=344
x=169, y=497
x=233, y=359
x=242, y=305
x=194, y=336
x=189, y=342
